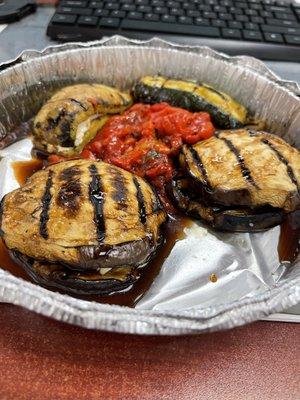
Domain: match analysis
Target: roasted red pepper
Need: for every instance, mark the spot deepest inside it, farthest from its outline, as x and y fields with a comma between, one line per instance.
x=145, y=139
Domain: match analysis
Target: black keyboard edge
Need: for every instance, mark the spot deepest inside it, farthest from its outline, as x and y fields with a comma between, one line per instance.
x=262, y=50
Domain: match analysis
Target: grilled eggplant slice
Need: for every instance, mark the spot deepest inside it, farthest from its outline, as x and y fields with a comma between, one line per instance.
x=225, y=112
x=221, y=218
x=245, y=168
x=106, y=281
x=83, y=216
x=72, y=117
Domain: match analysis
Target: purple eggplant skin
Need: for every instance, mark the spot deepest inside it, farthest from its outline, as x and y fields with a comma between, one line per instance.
x=135, y=253
x=222, y=219
x=61, y=278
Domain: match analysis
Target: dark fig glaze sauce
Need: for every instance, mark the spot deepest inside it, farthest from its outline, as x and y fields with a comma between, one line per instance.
x=288, y=247
x=289, y=240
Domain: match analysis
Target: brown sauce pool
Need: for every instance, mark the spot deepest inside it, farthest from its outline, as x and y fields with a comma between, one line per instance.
x=288, y=247
x=289, y=240
x=24, y=169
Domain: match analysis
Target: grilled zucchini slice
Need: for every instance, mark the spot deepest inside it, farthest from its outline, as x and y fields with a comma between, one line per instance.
x=225, y=112
x=73, y=116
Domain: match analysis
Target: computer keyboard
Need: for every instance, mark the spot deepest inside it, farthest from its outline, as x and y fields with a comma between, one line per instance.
x=267, y=29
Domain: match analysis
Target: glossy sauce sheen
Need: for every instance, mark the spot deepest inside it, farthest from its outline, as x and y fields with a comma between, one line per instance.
x=289, y=241
x=288, y=247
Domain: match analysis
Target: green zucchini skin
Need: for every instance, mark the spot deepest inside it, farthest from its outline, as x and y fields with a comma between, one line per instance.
x=150, y=94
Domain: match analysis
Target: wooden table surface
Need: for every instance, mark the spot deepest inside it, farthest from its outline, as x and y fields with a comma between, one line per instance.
x=44, y=359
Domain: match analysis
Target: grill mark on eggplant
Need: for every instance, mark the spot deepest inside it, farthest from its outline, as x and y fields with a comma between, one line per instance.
x=53, y=122
x=69, y=195
x=46, y=200
x=282, y=159
x=120, y=193
x=69, y=173
x=97, y=199
x=141, y=201
x=79, y=103
x=201, y=167
x=244, y=169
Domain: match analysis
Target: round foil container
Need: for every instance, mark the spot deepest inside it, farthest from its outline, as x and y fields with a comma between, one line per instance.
x=28, y=81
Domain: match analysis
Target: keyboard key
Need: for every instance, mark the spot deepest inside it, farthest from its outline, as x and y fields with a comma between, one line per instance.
x=231, y=33
x=252, y=35
x=251, y=12
x=251, y=26
x=277, y=9
x=74, y=3
x=225, y=16
x=74, y=10
x=89, y=21
x=173, y=4
x=142, y=2
x=242, y=5
x=157, y=3
x=193, y=13
x=174, y=28
x=273, y=37
x=256, y=7
x=280, y=29
x=64, y=19
x=135, y=15
x=220, y=9
x=204, y=7
x=117, y=14
x=151, y=17
x=176, y=11
x=96, y=4
x=280, y=15
x=294, y=40
x=235, y=25
x=144, y=9
x=236, y=11
x=168, y=18
x=101, y=13
x=226, y=3
x=128, y=7
x=201, y=21
x=109, y=22
x=257, y=20
x=218, y=23
x=111, y=6
x=188, y=6
x=287, y=23
x=266, y=14
x=160, y=10
x=208, y=14
x=242, y=18
x=185, y=20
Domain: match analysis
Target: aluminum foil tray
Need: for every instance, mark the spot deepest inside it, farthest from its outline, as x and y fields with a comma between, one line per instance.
x=252, y=283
